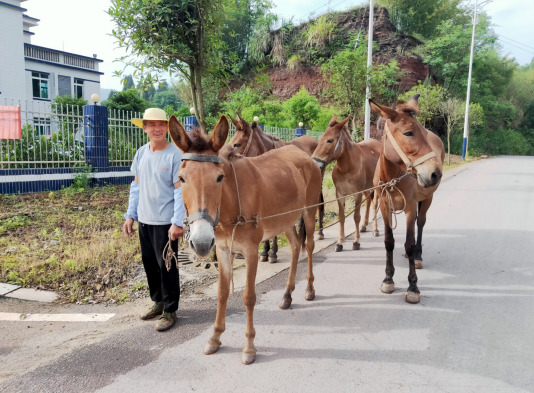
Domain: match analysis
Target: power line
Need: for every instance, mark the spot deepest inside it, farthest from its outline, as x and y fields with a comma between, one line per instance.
x=514, y=41
x=508, y=43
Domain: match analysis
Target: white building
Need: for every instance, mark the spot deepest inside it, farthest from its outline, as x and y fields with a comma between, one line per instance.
x=34, y=73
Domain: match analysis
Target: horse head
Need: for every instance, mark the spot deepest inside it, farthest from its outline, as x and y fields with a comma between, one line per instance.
x=330, y=146
x=201, y=174
x=242, y=140
x=409, y=145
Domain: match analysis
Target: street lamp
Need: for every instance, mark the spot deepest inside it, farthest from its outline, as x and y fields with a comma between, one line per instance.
x=301, y=124
x=466, y=122
x=256, y=119
x=192, y=110
x=95, y=98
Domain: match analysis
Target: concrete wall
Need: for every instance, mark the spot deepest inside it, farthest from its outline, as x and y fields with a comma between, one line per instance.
x=12, y=75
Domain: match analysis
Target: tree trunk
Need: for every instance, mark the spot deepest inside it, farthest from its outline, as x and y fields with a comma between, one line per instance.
x=201, y=112
x=354, y=128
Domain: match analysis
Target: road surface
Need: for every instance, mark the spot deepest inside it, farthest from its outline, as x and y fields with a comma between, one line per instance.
x=472, y=331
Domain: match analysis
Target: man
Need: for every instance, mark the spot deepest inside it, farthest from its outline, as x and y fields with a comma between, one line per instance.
x=156, y=202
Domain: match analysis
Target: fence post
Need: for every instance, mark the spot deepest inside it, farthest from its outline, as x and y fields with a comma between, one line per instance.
x=300, y=132
x=96, y=137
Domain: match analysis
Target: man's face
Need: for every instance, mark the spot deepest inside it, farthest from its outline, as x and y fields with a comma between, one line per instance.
x=156, y=130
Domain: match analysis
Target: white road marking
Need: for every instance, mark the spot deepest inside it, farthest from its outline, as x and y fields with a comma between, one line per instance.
x=11, y=316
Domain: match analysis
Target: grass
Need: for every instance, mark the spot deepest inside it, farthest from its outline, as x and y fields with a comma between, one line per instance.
x=69, y=241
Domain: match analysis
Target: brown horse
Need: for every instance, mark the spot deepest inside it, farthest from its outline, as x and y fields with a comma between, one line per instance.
x=412, y=152
x=250, y=141
x=229, y=193
x=353, y=172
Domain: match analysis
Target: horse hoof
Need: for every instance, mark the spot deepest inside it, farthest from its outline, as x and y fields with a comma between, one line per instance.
x=412, y=297
x=387, y=288
x=363, y=229
x=310, y=295
x=264, y=258
x=376, y=233
x=355, y=246
x=320, y=237
x=418, y=264
x=273, y=259
x=248, y=358
x=339, y=247
x=285, y=303
x=210, y=349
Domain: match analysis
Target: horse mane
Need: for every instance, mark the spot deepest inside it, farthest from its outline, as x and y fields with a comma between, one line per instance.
x=228, y=153
x=199, y=142
x=258, y=128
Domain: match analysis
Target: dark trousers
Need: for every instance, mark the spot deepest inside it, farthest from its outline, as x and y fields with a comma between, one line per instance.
x=163, y=285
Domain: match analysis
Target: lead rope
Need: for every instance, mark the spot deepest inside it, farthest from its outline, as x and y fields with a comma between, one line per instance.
x=169, y=255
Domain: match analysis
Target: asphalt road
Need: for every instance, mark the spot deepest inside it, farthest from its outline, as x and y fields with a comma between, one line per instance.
x=472, y=331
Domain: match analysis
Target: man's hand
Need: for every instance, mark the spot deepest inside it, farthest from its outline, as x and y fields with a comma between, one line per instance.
x=175, y=232
x=127, y=228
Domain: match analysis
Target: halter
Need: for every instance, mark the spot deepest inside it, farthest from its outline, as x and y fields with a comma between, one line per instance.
x=410, y=165
x=203, y=215
x=248, y=142
x=327, y=161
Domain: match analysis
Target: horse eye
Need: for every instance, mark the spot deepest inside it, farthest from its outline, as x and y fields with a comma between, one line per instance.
x=330, y=141
x=220, y=178
x=237, y=145
x=408, y=133
x=181, y=179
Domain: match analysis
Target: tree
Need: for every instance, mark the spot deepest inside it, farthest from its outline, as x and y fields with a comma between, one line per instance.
x=127, y=100
x=347, y=74
x=128, y=83
x=302, y=107
x=175, y=36
x=453, y=112
x=164, y=98
x=429, y=101
x=421, y=16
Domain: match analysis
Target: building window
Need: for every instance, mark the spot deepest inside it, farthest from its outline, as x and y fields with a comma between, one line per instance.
x=40, y=85
x=42, y=126
x=78, y=88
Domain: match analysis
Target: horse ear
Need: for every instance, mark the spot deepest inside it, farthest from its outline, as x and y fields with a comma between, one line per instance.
x=178, y=134
x=414, y=102
x=234, y=122
x=343, y=122
x=383, y=111
x=333, y=121
x=219, y=134
x=245, y=127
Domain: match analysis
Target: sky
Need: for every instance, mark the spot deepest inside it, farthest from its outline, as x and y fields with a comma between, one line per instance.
x=83, y=27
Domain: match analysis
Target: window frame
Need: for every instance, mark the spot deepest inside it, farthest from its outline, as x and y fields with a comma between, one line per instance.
x=78, y=83
x=42, y=78
x=42, y=126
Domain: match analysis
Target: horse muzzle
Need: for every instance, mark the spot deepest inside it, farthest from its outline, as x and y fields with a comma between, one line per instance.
x=202, y=238
x=320, y=163
x=427, y=180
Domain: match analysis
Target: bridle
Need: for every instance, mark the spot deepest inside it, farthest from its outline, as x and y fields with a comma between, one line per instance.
x=327, y=161
x=249, y=142
x=203, y=215
x=410, y=165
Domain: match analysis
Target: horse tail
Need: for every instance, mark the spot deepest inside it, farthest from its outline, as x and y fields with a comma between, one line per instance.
x=302, y=231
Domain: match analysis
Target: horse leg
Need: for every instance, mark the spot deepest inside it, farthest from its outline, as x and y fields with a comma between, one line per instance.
x=249, y=299
x=309, y=222
x=294, y=245
x=375, y=213
x=368, y=198
x=388, y=285
x=273, y=257
x=421, y=221
x=357, y=218
x=341, y=205
x=226, y=261
x=413, y=294
x=265, y=254
x=321, y=217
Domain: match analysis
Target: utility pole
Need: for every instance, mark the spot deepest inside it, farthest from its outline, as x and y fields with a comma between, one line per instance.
x=367, y=130
x=466, y=122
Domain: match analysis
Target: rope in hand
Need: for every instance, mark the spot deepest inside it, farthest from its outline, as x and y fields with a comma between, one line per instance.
x=168, y=255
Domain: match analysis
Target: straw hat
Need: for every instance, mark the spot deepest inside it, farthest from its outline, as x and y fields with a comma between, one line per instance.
x=151, y=114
